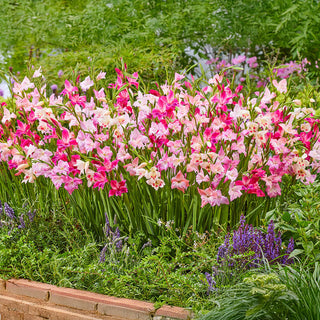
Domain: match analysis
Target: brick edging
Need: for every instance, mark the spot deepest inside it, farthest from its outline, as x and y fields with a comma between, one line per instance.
x=97, y=304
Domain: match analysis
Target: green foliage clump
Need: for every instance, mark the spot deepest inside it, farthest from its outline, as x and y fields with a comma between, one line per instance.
x=299, y=217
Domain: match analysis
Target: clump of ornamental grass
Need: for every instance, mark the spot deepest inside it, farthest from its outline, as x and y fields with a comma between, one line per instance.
x=249, y=248
x=258, y=296
x=291, y=292
x=194, y=155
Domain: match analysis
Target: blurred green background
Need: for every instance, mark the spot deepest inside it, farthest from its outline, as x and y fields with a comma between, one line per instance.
x=154, y=37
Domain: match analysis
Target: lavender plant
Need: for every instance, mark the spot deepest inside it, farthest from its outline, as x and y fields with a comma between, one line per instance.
x=10, y=220
x=114, y=241
x=247, y=248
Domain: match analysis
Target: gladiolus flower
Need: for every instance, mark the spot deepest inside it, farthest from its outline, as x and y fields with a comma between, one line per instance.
x=179, y=182
x=117, y=188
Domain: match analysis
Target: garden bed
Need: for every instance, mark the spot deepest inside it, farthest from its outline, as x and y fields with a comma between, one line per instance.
x=193, y=194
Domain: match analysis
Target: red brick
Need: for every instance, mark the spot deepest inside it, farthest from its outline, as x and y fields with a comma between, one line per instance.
x=10, y=315
x=29, y=288
x=124, y=312
x=32, y=317
x=13, y=303
x=88, y=301
x=2, y=285
x=126, y=303
x=55, y=313
x=126, y=308
x=172, y=312
x=73, y=298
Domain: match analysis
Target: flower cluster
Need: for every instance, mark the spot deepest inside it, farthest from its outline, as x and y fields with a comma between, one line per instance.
x=213, y=140
x=245, y=65
x=250, y=247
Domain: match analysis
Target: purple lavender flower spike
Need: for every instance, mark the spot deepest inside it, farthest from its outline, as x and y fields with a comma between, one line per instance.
x=31, y=215
x=211, y=283
x=107, y=226
x=147, y=244
x=223, y=249
x=116, y=239
x=103, y=254
x=9, y=211
x=290, y=248
x=245, y=240
x=22, y=224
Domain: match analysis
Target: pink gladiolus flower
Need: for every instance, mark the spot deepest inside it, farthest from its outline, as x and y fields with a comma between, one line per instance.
x=156, y=183
x=232, y=174
x=67, y=140
x=70, y=184
x=268, y=96
x=281, y=86
x=117, y=188
x=252, y=62
x=216, y=79
x=234, y=191
x=133, y=82
x=86, y=84
x=238, y=60
x=62, y=167
x=37, y=73
x=68, y=88
x=101, y=75
x=179, y=182
x=200, y=177
x=178, y=77
x=26, y=84
x=7, y=116
x=57, y=180
x=100, y=95
x=212, y=197
x=138, y=140
x=100, y=180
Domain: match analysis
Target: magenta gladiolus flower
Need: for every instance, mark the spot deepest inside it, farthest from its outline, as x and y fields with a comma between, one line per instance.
x=117, y=188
